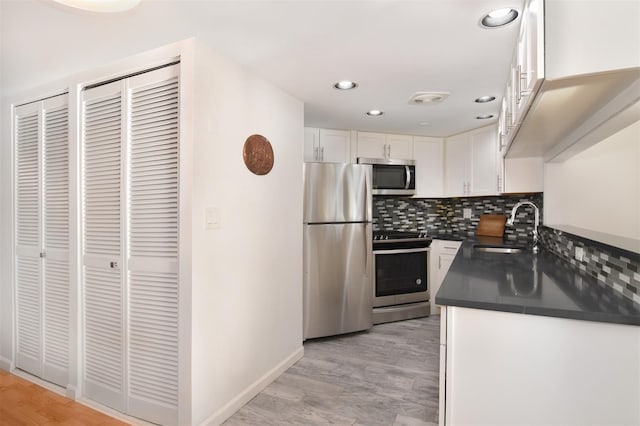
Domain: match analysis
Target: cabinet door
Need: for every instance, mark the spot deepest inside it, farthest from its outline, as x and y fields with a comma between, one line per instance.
x=372, y=145
x=335, y=146
x=447, y=252
x=484, y=155
x=399, y=147
x=428, y=154
x=533, y=57
x=311, y=144
x=523, y=174
x=456, y=165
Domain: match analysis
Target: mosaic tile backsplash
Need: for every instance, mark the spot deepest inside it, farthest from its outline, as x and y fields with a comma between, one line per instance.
x=610, y=266
x=445, y=215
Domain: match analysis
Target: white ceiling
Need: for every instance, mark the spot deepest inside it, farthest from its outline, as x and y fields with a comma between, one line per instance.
x=392, y=48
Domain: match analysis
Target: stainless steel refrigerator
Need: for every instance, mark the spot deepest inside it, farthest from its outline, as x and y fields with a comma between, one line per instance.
x=338, y=258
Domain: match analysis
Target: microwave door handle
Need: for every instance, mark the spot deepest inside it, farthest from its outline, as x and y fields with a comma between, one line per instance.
x=407, y=172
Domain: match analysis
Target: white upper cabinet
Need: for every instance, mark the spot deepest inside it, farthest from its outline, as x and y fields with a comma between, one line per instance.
x=429, y=157
x=471, y=166
x=571, y=53
x=327, y=145
x=526, y=72
x=381, y=145
x=484, y=168
x=456, y=165
x=523, y=175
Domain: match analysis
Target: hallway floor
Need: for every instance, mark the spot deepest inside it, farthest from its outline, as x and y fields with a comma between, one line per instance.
x=385, y=376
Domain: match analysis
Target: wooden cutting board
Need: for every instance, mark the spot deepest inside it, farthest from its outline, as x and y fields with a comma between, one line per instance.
x=492, y=225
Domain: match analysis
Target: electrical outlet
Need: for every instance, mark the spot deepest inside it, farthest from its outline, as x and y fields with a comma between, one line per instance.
x=466, y=213
x=579, y=254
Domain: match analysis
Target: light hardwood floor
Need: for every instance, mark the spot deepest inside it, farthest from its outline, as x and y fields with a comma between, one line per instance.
x=25, y=403
x=385, y=376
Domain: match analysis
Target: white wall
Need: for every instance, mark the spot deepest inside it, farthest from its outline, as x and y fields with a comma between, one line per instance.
x=247, y=275
x=598, y=189
x=246, y=322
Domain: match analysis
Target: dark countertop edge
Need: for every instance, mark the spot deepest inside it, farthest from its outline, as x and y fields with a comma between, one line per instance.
x=541, y=312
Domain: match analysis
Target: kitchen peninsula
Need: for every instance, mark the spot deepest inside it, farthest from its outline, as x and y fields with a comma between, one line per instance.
x=526, y=339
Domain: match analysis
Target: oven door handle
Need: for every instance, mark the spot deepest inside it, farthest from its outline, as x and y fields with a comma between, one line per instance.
x=402, y=251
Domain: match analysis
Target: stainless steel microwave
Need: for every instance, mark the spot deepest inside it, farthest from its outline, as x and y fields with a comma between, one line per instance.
x=392, y=177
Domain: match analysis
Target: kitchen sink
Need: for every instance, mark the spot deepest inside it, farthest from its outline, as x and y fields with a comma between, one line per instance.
x=485, y=248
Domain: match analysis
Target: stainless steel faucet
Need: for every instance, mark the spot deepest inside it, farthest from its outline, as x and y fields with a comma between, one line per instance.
x=535, y=223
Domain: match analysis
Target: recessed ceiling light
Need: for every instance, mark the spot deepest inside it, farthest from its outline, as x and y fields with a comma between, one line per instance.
x=484, y=117
x=423, y=123
x=375, y=113
x=345, y=85
x=499, y=17
x=483, y=99
x=100, y=6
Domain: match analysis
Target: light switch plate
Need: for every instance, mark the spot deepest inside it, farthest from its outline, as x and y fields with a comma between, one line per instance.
x=212, y=218
x=466, y=213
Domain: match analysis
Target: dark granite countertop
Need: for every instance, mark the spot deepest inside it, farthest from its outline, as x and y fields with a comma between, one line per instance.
x=528, y=283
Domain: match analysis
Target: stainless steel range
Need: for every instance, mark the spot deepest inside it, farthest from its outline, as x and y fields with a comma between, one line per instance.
x=401, y=263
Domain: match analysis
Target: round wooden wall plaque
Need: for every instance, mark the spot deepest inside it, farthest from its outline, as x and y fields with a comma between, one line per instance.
x=258, y=154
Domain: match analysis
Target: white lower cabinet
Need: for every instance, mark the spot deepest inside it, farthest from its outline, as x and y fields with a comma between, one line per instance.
x=442, y=254
x=130, y=244
x=42, y=284
x=504, y=368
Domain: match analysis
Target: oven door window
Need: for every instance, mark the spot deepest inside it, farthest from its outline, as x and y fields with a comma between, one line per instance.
x=401, y=273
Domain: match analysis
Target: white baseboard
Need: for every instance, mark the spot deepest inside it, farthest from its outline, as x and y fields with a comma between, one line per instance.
x=252, y=390
x=6, y=364
x=72, y=392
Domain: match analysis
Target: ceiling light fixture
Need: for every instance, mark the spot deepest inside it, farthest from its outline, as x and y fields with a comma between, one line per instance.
x=101, y=6
x=483, y=99
x=375, y=113
x=499, y=17
x=484, y=117
x=345, y=85
x=428, y=98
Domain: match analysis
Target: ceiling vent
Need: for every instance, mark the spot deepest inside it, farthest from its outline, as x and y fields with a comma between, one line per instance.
x=428, y=98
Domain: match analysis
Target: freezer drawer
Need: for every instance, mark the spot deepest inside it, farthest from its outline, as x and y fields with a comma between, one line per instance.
x=338, y=279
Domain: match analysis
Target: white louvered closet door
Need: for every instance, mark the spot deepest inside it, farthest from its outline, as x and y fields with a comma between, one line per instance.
x=55, y=203
x=42, y=229
x=103, y=286
x=131, y=244
x=28, y=237
x=153, y=245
